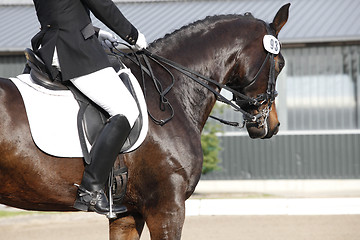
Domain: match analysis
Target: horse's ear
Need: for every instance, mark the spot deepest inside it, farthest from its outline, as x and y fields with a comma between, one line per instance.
x=280, y=18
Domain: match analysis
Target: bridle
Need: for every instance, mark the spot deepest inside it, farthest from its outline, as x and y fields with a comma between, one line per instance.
x=261, y=99
x=238, y=100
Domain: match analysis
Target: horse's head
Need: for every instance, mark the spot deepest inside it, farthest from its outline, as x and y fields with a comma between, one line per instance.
x=253, y=73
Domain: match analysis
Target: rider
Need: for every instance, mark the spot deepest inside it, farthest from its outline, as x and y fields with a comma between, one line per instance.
x=69, y=42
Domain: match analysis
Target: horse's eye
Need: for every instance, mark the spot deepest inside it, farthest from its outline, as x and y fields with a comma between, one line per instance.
x=281, y=65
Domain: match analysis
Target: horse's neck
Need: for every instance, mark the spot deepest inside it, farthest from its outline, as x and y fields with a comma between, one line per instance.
x=198, y=48
x=196, y=100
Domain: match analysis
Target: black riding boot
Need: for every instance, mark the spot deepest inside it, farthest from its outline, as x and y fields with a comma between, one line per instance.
x=90, y=195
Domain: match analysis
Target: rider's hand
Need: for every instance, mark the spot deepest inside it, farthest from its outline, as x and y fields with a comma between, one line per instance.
x=140, y=42
x=107, y=39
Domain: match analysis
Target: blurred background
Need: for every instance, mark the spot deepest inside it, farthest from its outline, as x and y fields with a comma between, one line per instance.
x=319, y=89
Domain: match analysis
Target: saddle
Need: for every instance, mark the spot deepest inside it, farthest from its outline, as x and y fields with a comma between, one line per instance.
x=91, y=118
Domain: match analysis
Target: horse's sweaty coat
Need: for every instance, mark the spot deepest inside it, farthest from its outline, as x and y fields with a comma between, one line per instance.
x=52, y=117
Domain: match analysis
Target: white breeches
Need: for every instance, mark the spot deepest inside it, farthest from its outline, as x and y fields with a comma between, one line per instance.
x=105, y=88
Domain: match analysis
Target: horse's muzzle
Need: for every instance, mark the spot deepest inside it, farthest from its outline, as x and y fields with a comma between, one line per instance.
x=263, y=131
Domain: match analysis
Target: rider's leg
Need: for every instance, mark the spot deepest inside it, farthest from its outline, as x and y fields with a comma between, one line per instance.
x=107, y=146
x=106, y=89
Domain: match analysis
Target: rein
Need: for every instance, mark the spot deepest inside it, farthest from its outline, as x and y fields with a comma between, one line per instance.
x=239, y=98
x=197, y=76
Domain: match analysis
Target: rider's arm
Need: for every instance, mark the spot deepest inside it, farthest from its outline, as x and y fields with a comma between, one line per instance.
x=108, y=13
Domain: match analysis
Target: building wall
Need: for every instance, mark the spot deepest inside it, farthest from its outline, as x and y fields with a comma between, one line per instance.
x=318, y=108
x=319, y=111
x=318, y=89
x=11, y=65
x=309, y=156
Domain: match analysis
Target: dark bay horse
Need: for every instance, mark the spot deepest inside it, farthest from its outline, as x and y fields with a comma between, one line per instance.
x=165, y=169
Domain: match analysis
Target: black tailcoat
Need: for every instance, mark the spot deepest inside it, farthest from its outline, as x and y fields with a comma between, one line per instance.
x=66, y=24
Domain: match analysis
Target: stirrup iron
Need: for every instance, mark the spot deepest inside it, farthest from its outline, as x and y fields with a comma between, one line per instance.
x=111, y=214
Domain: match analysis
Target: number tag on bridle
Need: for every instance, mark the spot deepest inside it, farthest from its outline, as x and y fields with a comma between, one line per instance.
x=271, y=44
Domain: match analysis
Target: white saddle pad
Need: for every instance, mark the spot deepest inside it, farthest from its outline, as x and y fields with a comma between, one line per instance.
x=52, y=117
